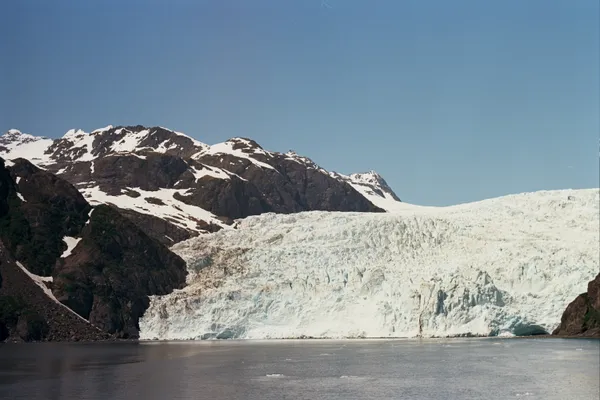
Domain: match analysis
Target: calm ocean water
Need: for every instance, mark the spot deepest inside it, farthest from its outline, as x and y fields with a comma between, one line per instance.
x=311, y=369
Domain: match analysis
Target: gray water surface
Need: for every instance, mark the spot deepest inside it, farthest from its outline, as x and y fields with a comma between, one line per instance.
x=261, y=370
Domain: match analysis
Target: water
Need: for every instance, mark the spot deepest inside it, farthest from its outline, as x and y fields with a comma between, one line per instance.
x=360, y=369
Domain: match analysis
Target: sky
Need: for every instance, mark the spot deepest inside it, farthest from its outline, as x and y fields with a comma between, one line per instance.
x=450, y=101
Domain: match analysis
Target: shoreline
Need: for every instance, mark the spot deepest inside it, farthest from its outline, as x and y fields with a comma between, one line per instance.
x=324, y=339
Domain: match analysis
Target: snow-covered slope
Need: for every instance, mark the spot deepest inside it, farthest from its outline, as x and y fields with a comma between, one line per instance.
x=503, y=266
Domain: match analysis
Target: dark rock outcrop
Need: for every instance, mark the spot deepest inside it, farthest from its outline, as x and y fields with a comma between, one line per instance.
x=232, y=198
x=286, y=188
x=44, y=209
x=154, y=171
x=109, y=275
x=162, y=230
x=28, y=314
x=106, y=279
x=582, y=316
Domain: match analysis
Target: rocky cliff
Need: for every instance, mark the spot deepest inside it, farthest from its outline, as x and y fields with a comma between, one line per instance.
x=77, y=272
x=582, y=316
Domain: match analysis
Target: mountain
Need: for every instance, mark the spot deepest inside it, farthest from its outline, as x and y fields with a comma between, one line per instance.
x=582, y=316
x=174, y=187
x=101, y=232
x=69, y=271
x=505, y=266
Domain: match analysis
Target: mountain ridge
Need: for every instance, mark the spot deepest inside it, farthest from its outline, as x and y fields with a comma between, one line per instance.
x=170, y=182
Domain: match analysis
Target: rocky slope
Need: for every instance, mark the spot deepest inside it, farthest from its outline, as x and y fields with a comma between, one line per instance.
x=174, y=187
x=27, y=313
x=57, y=251
x=582, y=316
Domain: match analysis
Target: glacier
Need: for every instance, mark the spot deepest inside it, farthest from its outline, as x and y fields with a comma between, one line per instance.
x=504, y=266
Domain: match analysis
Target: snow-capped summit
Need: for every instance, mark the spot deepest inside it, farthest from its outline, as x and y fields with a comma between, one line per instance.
x=74, y=134
x=369, y=178
x=373, y=187
x=16, y=144
x=14, y=137
x=100, y=130
x=175, y=186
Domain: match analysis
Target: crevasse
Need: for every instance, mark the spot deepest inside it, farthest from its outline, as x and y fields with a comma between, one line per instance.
x=504, y=266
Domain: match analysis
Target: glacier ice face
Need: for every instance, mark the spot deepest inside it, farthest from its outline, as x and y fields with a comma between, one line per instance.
x=505, y=266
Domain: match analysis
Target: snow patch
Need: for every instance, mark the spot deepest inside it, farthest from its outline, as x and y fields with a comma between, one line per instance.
x=504, y=266
x=41, y=282
x=183, y=215
x=194, y=141
x=89, y=215
x=130, y=141
x=20, y=196
x=81, y=139
x=227, y=148
x=102, y=130
x=71, y=243
x=210, y=171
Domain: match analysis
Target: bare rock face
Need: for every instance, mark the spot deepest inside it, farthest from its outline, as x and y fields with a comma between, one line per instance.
x=108, y=277
x=582, y=316
x=28, y=314
x=162, y=230
x=104, y=281
x=45, y=209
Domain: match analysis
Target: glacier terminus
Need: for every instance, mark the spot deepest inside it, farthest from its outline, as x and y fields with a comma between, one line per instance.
x=499, y=267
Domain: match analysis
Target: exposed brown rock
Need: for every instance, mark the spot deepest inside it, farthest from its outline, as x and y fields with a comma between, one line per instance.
x=47, y=210
x=162, y=230
x=582, y=316
x=109, y=275
x=106, y=279
x=28, y=314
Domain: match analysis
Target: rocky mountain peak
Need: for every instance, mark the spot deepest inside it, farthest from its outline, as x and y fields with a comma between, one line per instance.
x=174, y=186
x=293, y=156
x=244, y=144
x=373, y=179
x=74, y=134
x=14, y=137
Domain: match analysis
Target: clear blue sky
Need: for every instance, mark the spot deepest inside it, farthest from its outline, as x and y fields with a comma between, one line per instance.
x=451, y=101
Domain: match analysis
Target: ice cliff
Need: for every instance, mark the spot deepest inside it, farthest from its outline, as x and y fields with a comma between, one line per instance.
x=504, y=266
